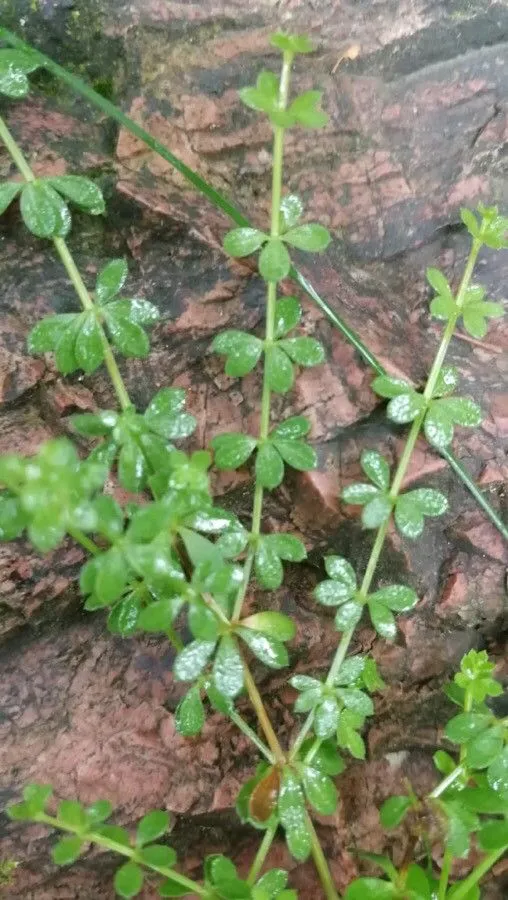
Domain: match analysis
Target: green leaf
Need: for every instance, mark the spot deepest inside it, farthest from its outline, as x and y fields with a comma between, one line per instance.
x=82, y=191
x=351, y=670
x=273, y=882
x=405, y=407
x=115, y=833
x=388, y=386
x=232, y=450
x=443, y=307
x=44, y=212
x=356, y=700
x=484, y=800
x=376, y=512
x=493, y=836
x=397, y=597
x=347, y=735
x=341, y=571
x=382, y=620
x=111, y=280
x=8, y=191
x=111, y=576
x=293, y=815
x=288, y=313
x=438, y=281
x=123, y=618
x=465, y=726
x=127, y=337
x=165, y=415
x=228, y=668
x=267, y=566
x=359, y=493
x=408, y=516
x=13, y=80
x=438, y=427
x=152, y=826
x=242, y=351
x=419, y=882
x=191, y=661
x=311, y=237
x=266, y=648
x=485, y=748
x=170, y=888
x=72, y=814
x=67, y=850
x=470, y=221
x=279, y=370
x=88, y=348
x=129, y=880
x=497, y=774
x=292, y=429
x=327, y=758
x=99, y=811
x=37, y=795
x=45, y=335
x=430, y=501
x=304, y=110
x=232, y=541
x=371, y=889
x=447, y=381
x=274, y=261
x=274, y=624
x=190, y=713
x=158, y=855
x=333, y=592
x=287, y=546
x=297, y=454
x=326, y=718
x=159, y=615
x=461, y=410
x=291, y=43
x=394, y=810
x=348, y=615
x=269, y=467
x=376, y=468
x=319, y=790
x=244, y=241
x=132, y=466
x=13, y=518
x=291, y=210
x=306, y=351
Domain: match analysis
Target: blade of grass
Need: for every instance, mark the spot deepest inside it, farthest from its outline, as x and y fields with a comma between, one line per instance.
x=229, y=209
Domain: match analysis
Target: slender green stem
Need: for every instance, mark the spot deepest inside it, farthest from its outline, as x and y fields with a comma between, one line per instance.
x=174, y=638
x=251, y=734
x=478, y=872
x=444, y=877
x=262, y=853
x=72, y=271
x=401, y=469
x=325, y=876
x=130, y=852
x=84, y=540
x=447, y=782
x=222, y=203
x=266, y=725
x=271, y=298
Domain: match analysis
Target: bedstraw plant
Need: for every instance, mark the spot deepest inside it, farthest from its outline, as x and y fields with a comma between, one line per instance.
x=174, y=555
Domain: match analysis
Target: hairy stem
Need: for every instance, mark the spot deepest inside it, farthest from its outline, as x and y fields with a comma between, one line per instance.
x=262, y=853
x=403, y=465
x=325, y=876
